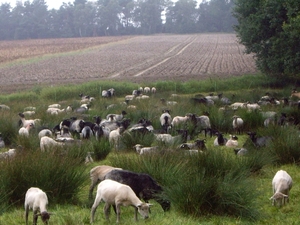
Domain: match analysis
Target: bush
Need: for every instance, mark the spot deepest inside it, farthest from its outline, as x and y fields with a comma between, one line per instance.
x=60, y=176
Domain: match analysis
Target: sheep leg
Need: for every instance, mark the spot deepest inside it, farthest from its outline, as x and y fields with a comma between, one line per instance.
x=106, y=210
x=118, y=212
x=135, y=213
x=26, y=214
x=94, y=207
x=35, y=217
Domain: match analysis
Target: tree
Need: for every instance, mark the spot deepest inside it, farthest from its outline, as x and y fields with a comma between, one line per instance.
x=270, y=30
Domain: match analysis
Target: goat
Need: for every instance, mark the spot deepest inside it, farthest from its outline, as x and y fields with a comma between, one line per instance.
x=37, y=200
x=117, y=194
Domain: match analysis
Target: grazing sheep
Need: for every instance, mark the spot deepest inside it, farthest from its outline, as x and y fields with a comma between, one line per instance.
x=87, y=132
x=282, y=184
x=180, y=120
x=47, y=142
x=117, y=194
x=25, y=122
x=143, y=185
x=295, y=94
x=4, y=107
x=201, y=123
x=37, y=200
x=147, y=89
x=153, y=90
x=142, y=150
x=55, y=111
x=237, y=105
x=168, y=103
x=232, y=141
x=168, y=139
x=58, y=106
x=24, y=131
x=97, y=175
x=259, y=141
x=237, y=124
x=11, y=153
x=253, y=107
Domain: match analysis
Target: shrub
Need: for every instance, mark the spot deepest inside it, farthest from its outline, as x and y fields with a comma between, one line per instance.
x=58, y=175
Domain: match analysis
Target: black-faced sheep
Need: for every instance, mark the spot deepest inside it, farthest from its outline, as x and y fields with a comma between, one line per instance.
x=37, y=200
x=117, y=194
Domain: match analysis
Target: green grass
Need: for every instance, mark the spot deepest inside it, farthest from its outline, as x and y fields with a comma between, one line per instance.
x=214, y=188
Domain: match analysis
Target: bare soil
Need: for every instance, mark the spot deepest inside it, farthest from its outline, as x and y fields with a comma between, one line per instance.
x=139, y=59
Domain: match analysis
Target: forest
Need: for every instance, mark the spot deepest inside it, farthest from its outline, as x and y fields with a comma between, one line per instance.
x=82, y=18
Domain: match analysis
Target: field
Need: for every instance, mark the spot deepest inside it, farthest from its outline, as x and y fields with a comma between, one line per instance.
x=140, y=59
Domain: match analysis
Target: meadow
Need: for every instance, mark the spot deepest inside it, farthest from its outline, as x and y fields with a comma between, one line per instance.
x=215, y=188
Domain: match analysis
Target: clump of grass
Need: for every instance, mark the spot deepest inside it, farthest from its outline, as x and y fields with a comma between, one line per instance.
x=100, y=148
x=58, y=175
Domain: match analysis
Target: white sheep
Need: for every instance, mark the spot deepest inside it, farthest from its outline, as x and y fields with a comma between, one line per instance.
x=237, y=124
x=11, y=153
x=37, y=200
x=4, y=107
x=26, y=122
x=153, y=90
x=55, y=111
x=45, y=132
x=165, y=120
x=29, y=113
x=47, y=142
x=115, y=136
x=144, y=150
x=24, y=131
x=252, y=107
x=117, y=194
x=97, y=175
x=116, y=117
x=58, y=106
x=282, y=184
x=232, y=141
x=147, y=89
x=180, y=120
x=237, y=105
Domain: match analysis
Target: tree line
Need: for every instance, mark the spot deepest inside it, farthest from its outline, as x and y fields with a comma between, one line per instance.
x=82, y=18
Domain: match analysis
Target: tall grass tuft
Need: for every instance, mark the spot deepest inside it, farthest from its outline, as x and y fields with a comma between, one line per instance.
x=100, y=148
x=60, y=176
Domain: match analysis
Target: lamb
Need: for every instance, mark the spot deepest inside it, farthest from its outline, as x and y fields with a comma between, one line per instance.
x=25, y=122
x=97, y=175
x=237, y=124
x=165, y=120
x=24, y=131
x=144, y=150
x=117, y=194
x=115, y=136
x=37, y=200
x=47, y=142
x=180, y=120
x=282, y=184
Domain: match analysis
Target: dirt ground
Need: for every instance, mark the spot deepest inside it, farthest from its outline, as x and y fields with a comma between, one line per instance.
x=139, y=59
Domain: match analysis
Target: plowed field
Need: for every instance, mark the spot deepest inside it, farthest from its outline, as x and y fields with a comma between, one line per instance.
x=24, y=64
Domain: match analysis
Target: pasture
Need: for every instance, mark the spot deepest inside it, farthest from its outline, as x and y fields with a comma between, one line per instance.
x=234, y=190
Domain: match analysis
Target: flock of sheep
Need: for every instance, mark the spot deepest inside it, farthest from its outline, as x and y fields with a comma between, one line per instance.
x=117, y=191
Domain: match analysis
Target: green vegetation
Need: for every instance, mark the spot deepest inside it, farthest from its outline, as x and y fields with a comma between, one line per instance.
x=213, y=187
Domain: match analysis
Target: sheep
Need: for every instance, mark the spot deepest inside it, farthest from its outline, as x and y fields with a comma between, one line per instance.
x=197, y=144
x=147, y=89
x=11, y=153
x=45, y=132
x=203, y=100
x=168, y=139
x=201, y=123
x=232, y=141
x=97, y=175
x=117, y=194
x=169, y=103
x=220, y=140
x=89, y=158
x=142, y=97
x=143, y=185
x=47, y=142
x=25, y=122
x=29, y=113
x=237, y=124
x=115, y=136
x=237, y=105
x=259, y=141
x=165, y=120
x=86, y=132
x=116, y=117
x=24, y=131
x=55, y=111
x=180, y=120
x=153, y=90
x=240, y=151
x=295, y=94
x=281, y=184
x=142, y=150
x=30, y=108
x=37, y=200
x=56, y=105
x=4, y=107
x=252, y=107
